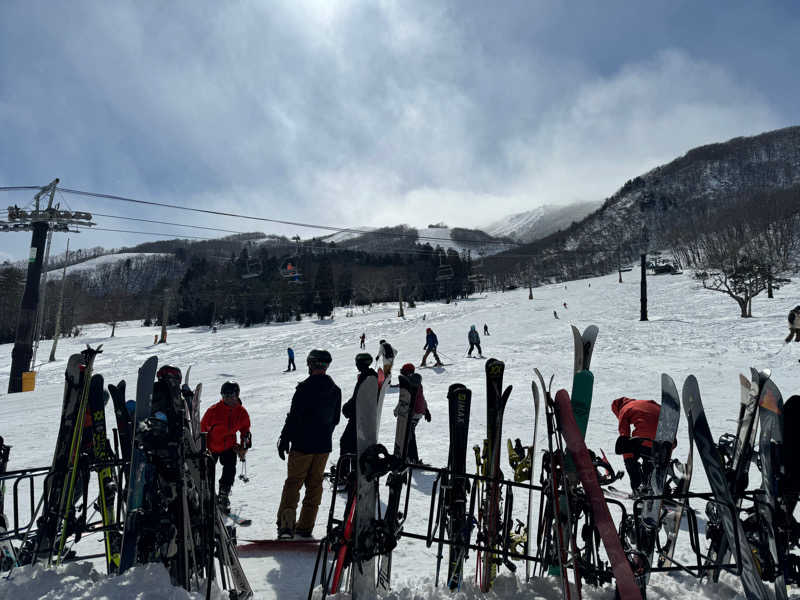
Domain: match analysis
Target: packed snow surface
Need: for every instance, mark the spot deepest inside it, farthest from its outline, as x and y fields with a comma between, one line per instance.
x=690, y=331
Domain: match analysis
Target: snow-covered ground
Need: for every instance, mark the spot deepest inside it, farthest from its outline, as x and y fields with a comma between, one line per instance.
x=691, y=331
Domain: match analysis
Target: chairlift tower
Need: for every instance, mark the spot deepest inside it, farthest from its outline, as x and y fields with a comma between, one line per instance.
x=42, y=222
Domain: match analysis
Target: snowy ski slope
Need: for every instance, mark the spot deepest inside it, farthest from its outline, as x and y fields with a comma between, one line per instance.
x=690, y=331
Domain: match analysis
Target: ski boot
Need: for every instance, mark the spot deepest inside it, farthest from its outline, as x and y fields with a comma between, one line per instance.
x=223, y=499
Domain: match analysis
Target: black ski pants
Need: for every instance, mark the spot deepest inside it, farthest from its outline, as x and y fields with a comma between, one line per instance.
x=228, y=461
x=291, y=366
x=639, y=467
x=472, y=347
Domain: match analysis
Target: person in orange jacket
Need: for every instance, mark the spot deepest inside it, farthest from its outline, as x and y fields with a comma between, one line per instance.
x=636, y=445
x=221, y=422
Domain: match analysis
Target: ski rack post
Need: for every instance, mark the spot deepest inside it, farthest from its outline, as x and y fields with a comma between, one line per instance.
x=18, y=477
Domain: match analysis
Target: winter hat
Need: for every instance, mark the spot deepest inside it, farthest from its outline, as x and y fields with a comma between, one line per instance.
x=228, y=388
x=319, y=359
x=617, y=404
x=407, y=369
x=363, y=361
x=382, y=341
x=472, y=326
x=169, y=372
x=428, y=330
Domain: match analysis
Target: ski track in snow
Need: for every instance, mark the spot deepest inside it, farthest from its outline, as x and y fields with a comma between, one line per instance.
x=691, y=331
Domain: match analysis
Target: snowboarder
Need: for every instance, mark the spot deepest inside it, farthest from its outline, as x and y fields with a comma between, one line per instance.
x=420, y=410
x=485, y=329
x=636, y=445
x=794, y=325
x=474, y=341
x=307, y=438
x=431, y=343
x=290, y=366
x=388, y=353
x=221, y=421
x=363, y=338
x=348, y=443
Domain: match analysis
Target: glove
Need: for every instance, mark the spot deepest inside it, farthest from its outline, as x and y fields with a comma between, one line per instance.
x=283, y=448
x=427, y=415
x=247, y=440
x=240, y=450
x=376, y=359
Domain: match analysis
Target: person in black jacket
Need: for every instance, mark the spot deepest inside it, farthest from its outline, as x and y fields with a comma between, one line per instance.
x=794, y=325
x=307, y=437
x=348, y=443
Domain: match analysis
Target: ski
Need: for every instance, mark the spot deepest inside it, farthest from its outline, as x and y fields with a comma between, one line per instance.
x=124, y=425
x=238, y=519
x=276, y=545
x=459, y=523
x=389, y=528
x=626, y=582
x=66, y=503
x=140, y=471
x=709, y=454
x=529, y=522
x=44, y=539
x=666, y=431
x=102, y=456
x=770, y=444
x=490, y=530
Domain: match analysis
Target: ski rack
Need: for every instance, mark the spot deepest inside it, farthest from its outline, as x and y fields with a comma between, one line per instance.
x=703, y=563
x=24, y=481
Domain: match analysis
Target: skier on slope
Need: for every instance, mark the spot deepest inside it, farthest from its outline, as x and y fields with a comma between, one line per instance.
x=634, y=446
x=388, y=353
x=420, y=409
x=431, y=343
x=794, y=325
x=307, y=437
x=474, y=341
x=363, y=338
x=485, y=329
x=291, y=366
x=221, y=421
x=348, y=443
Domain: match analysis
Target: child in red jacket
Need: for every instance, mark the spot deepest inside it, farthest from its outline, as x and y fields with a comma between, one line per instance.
x=221, y=422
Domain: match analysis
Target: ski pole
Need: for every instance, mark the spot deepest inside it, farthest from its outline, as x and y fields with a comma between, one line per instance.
x=243, y=475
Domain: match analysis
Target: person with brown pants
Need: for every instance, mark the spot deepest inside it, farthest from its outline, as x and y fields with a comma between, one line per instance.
x=307, y=437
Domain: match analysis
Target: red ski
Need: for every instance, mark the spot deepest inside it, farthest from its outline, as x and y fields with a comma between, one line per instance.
x=626, y=581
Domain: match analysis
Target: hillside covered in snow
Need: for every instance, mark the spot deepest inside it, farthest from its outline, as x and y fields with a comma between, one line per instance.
x=690, y=331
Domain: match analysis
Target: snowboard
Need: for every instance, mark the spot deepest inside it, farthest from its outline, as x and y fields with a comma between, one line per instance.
x=626, y=582
x=709, y=454
x=366, y=415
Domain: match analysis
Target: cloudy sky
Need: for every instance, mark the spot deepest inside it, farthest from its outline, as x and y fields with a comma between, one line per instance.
x=372, y=113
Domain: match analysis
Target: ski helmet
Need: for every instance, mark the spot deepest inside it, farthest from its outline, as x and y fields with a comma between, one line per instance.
x=229, y=388
x=319, y=359
x=363, y=361
x=382, y=341
x=407, y=369
x=169, y=372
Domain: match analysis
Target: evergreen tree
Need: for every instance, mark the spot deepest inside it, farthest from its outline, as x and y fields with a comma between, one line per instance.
x=323, y=289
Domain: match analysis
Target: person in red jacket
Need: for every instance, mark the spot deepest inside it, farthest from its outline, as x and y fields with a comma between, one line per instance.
x=221, y=422
x=636, y=445
x=419, y=410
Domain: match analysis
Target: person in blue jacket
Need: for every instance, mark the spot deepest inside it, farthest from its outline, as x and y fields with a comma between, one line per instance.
x=291, y=366
x=431, y=342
